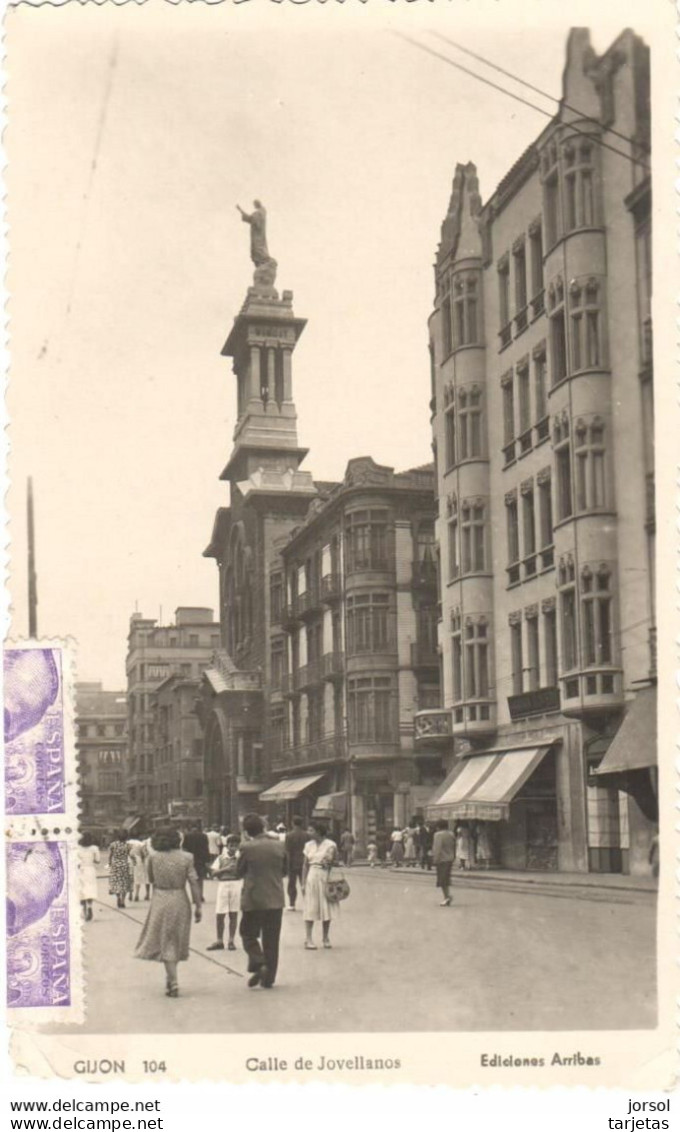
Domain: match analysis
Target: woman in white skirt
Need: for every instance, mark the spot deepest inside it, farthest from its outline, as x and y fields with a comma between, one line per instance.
x=319, y=854
x=138, y=856
x=88, y=859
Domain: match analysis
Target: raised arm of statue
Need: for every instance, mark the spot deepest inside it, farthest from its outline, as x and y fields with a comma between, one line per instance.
x=257, y=219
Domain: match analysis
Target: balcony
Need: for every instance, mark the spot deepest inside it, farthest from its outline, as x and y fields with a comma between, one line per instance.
x=308, y=675
x=333, y=665
x=505, y=335
x=289, y=615
x=509, y=453
x=537, y=305
x=433, y=726
x=474, y=717
x=525, y=442
x=521, y=321
x=308, y=603
x=329, y=750
x=595, y=691
x=543, y=429
x=538, y=702
x=331, y=587
x=424, y=575
x=424, y=655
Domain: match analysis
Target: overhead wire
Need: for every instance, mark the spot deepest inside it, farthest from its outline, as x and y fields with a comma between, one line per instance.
x=530, y=86
x=518, y=98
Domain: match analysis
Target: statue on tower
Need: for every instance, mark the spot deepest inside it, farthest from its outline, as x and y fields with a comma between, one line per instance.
x=265, y=267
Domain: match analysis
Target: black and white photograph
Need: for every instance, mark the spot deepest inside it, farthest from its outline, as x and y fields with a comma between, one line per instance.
x=334, y=464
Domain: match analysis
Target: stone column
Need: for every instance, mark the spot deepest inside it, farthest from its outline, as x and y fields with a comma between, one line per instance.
x=287, y=375
x=255, y=388
x=271, y=375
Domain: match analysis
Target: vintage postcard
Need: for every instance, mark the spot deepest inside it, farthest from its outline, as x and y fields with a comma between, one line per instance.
x=340, y=454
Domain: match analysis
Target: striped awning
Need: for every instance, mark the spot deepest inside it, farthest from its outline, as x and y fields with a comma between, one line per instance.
x=289, y=788
x=331, y=806
x=481, y=787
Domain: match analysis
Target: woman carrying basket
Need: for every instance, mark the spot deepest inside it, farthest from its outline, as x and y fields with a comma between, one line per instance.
x=320, y=853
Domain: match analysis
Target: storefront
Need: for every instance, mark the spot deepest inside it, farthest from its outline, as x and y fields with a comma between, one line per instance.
x=291, y=797
x=332, y=810
x=507, y=800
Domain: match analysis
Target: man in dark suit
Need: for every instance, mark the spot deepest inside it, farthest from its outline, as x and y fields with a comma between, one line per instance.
x=262, y=867
x=295, y=844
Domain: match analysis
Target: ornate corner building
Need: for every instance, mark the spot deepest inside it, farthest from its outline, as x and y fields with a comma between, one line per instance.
x=542, y=418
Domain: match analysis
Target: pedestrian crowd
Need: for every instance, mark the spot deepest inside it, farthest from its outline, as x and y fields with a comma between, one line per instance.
x=249, y=868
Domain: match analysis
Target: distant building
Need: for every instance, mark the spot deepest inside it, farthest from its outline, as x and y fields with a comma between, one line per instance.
x=543, y=428
x=101, y=746
x=156, y=652
x=353, y=650
x=179, y=787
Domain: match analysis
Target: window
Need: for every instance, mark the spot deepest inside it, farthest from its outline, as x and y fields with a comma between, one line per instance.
x=562, y=448
x=368, y=623
x=529, y=526
x=447, y=340
x=454, y=565
x=534, y=667
x=540, y=380
x=536, y=258
x=524, y=398
x=450, y=436
x=513, y=535
x=558, y=346
x=584, y=304
x=470, y=422
x=276, y=597
x=193, y=640
x=504, y=300
x=370, y=710
x=579, y=184
x=567, y=586
x=278, y=661
x=456, y=656
x=589, y=455
x=550, y=642
x=516, y=652
x=476, y=659
x=597, y=620
x=519, y=256
x=508, y=416
x=367, y=540
x=545, y=518
x=465, y=310
x=643, y=247
x=472, y=532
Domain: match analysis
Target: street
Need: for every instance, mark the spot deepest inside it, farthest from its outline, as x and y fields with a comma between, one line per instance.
x=504, y=957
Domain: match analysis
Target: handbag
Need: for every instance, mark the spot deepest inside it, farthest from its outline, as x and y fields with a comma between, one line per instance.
x=337, y=888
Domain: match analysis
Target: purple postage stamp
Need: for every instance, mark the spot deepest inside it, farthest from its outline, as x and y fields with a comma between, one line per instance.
x=35, y=731
x=38, y=925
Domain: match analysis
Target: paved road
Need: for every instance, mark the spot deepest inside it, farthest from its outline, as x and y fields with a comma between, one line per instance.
x=498, y=959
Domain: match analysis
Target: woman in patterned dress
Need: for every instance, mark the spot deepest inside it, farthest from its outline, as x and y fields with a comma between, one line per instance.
x=165, y=935
x=120, y=873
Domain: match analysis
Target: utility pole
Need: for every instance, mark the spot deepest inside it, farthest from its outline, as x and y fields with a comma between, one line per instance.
x=32, y=578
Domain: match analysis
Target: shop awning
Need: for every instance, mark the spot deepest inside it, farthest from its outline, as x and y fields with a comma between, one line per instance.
x=289, y=788
x=484, y=785
x=331, y=806
x=130, y=823
x=634, y=745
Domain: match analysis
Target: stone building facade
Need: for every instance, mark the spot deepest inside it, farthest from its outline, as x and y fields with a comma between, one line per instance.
x=101, y=746
x=155, y=653
x=178, y=775
x=354, y=650
x=542, y=416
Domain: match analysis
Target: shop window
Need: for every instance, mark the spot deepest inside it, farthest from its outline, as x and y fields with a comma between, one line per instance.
x=589, y=457
x=476, y=658
x=597, y=619
x=370, y=709
x=585, y=314
x=368, y=623
x=472, y=536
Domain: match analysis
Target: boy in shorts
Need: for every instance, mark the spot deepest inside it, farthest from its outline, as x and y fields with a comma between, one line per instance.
x=228, y=899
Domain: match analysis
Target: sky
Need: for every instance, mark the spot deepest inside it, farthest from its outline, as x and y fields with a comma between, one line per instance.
x=133, y=133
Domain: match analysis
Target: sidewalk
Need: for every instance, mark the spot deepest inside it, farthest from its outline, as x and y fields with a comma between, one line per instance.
x=539, y=880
